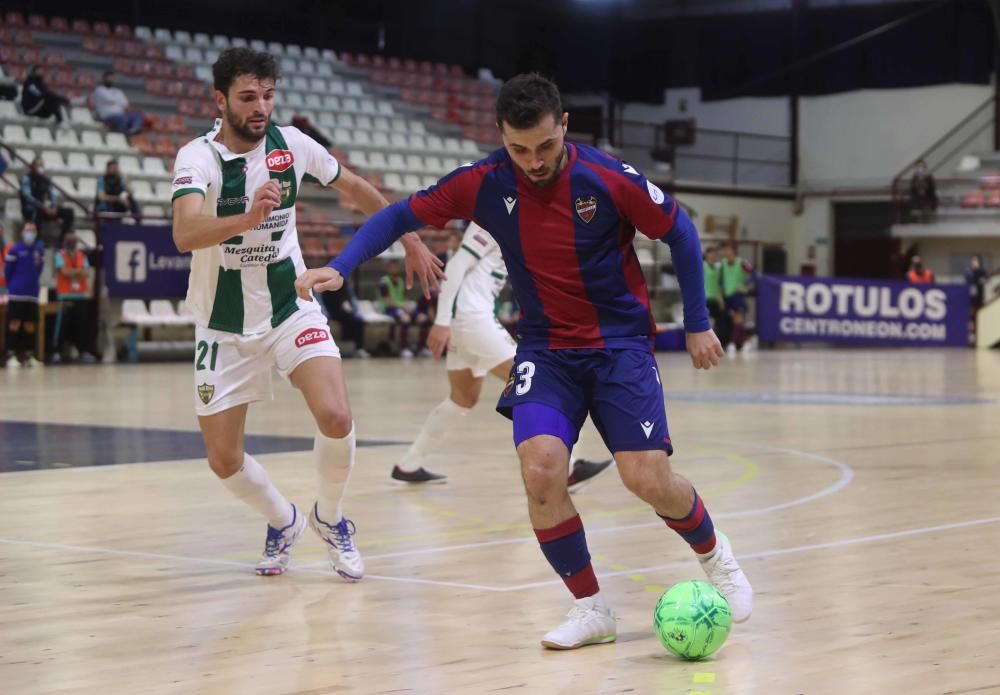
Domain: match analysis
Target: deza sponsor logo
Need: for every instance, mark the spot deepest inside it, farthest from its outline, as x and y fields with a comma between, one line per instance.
x=859, y=301
x=310, y=336
x=279, y=160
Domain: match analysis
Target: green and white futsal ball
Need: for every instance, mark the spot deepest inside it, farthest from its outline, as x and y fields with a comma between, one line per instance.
x=692, y=620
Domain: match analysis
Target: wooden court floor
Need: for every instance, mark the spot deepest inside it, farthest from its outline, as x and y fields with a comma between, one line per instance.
x=860, y=490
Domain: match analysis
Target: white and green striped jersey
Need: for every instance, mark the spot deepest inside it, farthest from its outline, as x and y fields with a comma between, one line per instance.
x=246, y=284
x=476, y=275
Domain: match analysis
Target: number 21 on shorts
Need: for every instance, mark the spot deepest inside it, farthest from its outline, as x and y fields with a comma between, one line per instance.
x=525, y=371
x=201, y=351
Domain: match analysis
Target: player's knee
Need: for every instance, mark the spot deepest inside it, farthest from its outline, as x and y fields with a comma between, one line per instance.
x=543, y=470
x=335, y=422
x=225, y=463
x=642, y=478
x=464, y=398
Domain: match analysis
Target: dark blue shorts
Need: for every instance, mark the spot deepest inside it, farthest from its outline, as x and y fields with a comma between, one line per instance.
x=619, y=388
x=737, y=303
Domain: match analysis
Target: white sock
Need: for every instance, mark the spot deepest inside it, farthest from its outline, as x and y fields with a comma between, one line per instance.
x=334, y=461
x=438, y=421
x=252, y=485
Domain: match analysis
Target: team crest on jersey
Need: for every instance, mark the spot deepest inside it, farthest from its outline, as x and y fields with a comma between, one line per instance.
x=279, y=160
x=205, y=392
x=586, y=207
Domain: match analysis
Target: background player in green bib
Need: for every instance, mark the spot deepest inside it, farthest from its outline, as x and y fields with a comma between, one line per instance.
x=234, y=206
x=735, y=274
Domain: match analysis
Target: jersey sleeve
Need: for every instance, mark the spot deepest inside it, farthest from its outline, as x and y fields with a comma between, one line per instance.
x=475, y=244
x=643, y=203
x=320, y=166
x=58, y=261
x=191, y=173
x=452, y=198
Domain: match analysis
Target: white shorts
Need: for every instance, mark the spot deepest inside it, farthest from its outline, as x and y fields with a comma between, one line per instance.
x=479, y=343
x=232, y=369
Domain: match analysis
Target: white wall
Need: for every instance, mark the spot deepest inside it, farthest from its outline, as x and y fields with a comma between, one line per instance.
x=867, y=136
x=767, y=116
x=759, y=219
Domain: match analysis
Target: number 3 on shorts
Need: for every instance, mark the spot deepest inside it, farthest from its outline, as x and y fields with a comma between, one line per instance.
x=525, y=370
x=202, y=351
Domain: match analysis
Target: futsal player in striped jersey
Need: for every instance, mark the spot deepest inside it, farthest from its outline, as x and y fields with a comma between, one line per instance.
x=564, y=215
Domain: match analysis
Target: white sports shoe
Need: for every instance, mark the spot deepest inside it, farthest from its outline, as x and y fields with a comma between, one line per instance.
x=278, y=546
x=589, y=621
x=344, y=557
x=725, y=575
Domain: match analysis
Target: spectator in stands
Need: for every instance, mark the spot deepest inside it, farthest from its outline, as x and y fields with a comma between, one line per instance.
x=112, y=107
x=114, y=194
x=73, y=290
x=919, y=275
x=735, y=276
x=22, y=268
x=975, y=278
x=40, y=101
x=923, y=193
x=4, y=248
x=342, y=306
x=393, y=303
x=41, y=202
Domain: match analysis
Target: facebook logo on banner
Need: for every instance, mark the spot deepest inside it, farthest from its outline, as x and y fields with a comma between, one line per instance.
x=143, y=262
x=130, y=261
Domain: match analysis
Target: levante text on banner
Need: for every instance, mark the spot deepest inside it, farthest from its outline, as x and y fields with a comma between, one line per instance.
x=142, y=262
x=870, y=312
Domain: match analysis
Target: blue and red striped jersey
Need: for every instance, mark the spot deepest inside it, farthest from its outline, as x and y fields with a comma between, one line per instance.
x=567, y=246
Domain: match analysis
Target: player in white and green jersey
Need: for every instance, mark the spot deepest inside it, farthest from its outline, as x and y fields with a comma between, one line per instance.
x=467, y=325
x=234, y=197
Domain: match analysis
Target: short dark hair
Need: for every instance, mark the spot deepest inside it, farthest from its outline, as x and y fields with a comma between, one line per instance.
x=239, y=60
x=523, y=101
x=108, y=73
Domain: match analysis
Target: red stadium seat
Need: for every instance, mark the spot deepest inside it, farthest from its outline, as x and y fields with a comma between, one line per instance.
x=59, y=24
x=993, y=199
x=410, y=65
x=455, y=70
x=395, y=63
x=973, y=199
x=102, y=28
x=14, y=19
x=86, y=80
x=165, y=147
x=81, y=26
x=175, y=124
x=37, y=22
x=362, y=60
x=142, y=143
x=123, y=31
x=378, y=61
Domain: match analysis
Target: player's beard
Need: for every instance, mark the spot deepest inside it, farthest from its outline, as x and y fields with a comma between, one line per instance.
x=556, y=170
x=243, y=128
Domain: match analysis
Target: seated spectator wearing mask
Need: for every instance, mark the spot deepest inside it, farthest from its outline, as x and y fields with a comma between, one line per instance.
x=22, y=268
x=73, y=290
x=112, y=107
x=113, y=192
x=40, y=201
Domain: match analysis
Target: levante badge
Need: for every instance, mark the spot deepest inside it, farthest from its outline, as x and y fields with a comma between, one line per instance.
x=586, y=206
